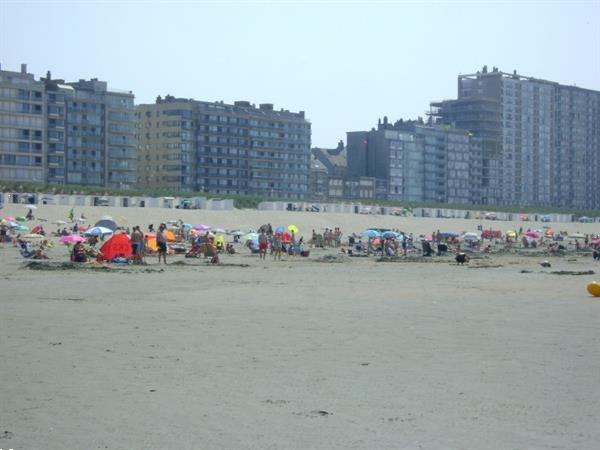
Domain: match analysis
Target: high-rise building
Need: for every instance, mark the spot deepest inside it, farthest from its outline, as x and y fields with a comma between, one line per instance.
x=540, y=139
x=22, y=127
x=66, y=133
x=415, y=162
x=100, y=136
x=238, y=149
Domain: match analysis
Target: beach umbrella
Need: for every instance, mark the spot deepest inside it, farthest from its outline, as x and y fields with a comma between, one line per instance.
x=30, y=206
x=187, y=225
x=532, y=234
x=59, y=222
x=238, y=233
x=370, y=234
x=523, y=217
x=576, y=236
x=279, y=230
x=293, y=229
x=32, y=236
x=9, y=218
x=470, y=237
x=98, y=231
x=80, y=220
x=449, y=234
x=149, y=235
x=250, y=237
x=106, y=218
x=71, y=239
x=21, y=219
x=511, y=234
x=219, y=230
x=201, y=227
x=286, y=236
x=21, y=228
x=36, y=229
x=390, y=235
x=596, y=242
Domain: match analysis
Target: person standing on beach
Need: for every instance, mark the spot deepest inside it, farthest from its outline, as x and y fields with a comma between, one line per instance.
x=161, y=242
x=262, y=245
x=277, y=246
x=404, y=243
x=137, y=239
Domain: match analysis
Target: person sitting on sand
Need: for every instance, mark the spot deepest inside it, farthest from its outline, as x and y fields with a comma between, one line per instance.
x=78, y=254
x=39, y=254
x=229, y=249
x=461, y=258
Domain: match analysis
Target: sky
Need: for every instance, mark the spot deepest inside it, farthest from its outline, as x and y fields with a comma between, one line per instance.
x=345, y=63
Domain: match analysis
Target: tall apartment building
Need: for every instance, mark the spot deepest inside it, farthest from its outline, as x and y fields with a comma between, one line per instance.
x=22, y=127
x=101, y=144
x=541, y=139
x=415, y=162
x=66, y=133
x=239, y=149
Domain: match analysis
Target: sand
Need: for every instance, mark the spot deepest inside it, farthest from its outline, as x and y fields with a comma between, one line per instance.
x=299, y=354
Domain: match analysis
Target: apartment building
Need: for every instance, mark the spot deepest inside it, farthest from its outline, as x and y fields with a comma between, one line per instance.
x=540, y=139
x=57, y=132
x=238, y=149
x=415, y=162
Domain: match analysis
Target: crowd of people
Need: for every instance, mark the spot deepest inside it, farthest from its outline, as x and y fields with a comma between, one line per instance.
x=176, y=237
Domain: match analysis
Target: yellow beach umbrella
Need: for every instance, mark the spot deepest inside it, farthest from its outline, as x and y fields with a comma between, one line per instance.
x=293, y=229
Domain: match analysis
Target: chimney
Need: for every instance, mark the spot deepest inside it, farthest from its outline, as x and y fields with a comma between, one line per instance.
x=23, y=68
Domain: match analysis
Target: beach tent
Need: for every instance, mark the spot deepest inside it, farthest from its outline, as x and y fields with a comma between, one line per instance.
x=105, y=223
x=151, y=245
x=117, y=246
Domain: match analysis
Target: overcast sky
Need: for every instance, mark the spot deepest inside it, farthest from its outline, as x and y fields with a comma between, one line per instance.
x=346, y=63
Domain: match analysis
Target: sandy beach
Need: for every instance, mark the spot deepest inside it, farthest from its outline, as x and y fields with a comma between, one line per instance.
x=325, y=352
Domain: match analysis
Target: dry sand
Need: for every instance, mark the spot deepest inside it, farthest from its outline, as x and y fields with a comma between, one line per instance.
x=299, y=354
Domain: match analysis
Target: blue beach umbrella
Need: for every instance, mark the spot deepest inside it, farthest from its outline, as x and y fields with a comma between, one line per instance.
x=370, y=234
x=390, y=235
x=447, y=234
x=98, y=231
